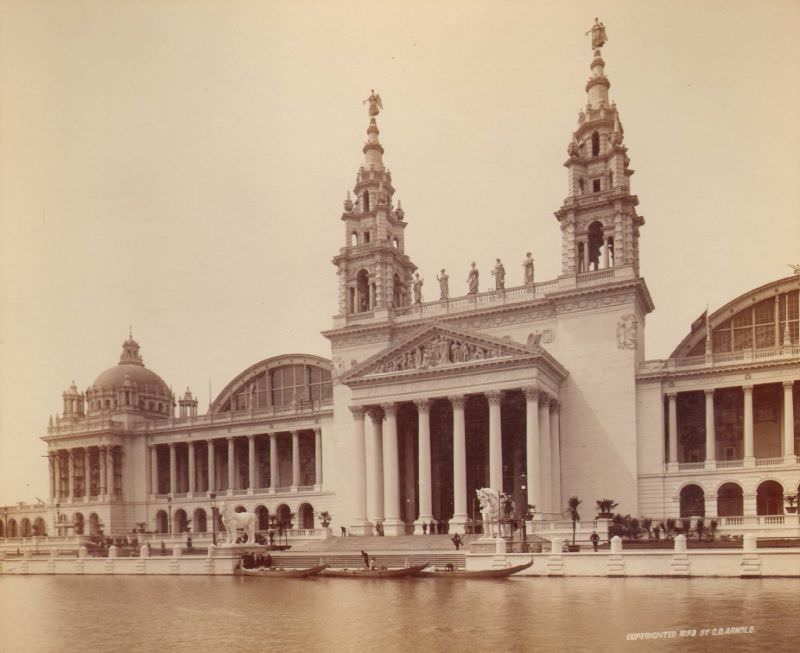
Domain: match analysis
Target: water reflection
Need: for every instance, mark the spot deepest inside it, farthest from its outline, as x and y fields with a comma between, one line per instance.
x=543, y=614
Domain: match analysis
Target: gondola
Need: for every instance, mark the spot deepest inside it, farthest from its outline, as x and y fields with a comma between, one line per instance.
x=381, y=572
x=449, y=572
x=279, y=572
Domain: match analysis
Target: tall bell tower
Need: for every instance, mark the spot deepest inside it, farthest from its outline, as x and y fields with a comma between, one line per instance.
x=599, y=224
x=374, y=271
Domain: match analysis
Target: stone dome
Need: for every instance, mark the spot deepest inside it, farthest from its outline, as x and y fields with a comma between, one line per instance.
x=130, y=385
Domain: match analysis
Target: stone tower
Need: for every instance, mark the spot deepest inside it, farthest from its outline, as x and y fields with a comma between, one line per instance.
x=599, y=224
x=374, y=271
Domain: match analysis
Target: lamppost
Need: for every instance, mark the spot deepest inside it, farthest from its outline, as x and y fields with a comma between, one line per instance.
x=169, y=514
x=523, y=486
x=213, y=498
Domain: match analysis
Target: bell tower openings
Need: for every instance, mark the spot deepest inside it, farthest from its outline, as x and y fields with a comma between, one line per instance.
x=599, y=223
x=374, y=271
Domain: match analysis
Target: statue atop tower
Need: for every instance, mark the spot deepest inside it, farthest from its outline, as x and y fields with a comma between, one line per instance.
x=375, y=104
x=598, y=32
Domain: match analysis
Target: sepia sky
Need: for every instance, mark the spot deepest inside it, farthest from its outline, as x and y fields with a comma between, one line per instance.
x=180, y=167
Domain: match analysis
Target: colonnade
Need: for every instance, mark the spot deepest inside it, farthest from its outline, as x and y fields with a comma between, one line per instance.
x=542, y=460
x=85, y=472
x=748, y=458
x=212, y=480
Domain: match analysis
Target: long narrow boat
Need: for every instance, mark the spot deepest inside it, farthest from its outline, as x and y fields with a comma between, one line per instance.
x=278, y=572
x=446, y=572
x=395, y=572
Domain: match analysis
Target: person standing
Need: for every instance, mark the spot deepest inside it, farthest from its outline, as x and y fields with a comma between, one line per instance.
x=457, y=541
x=595, y=538
x=365, y=558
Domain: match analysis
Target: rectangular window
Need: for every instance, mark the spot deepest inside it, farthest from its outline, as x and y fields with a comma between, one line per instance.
x=595, y=185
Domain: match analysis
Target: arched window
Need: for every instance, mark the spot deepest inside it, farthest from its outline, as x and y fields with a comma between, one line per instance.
x=162, y=525
x=25, y=527
x=693, y=502
x=305, y=516
x=354, y=239
x=769, y=498
x=262, y=515
x=366, y=237
x=285, y=515
x=397, y=290
x=595, y=144
x=595, y=235
x=12, y=528
x=199, y=521
x=181, y=521
x=730, y=502
x=39, y=527
x=94, y=524
x=362, y=291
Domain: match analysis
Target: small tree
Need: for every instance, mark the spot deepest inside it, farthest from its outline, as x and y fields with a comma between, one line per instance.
x=572, y=509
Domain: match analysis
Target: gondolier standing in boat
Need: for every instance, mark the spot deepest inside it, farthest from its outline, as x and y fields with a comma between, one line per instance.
x=365, y=558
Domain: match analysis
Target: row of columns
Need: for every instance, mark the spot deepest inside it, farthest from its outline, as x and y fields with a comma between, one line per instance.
x=231, y=454
x=105, y=473
x=543, y=465
x=748, y=430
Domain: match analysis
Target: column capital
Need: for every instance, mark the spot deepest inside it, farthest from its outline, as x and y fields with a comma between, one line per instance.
x=788, y=385
x=671, y=394
x=708, y=391
x=555, y=404
x=295, y=432
x=358, y=411
x=375, y=413
x=457, y=401
x=531, y=392
x=748, y=388
x=317, y=430
x=494, y=397
x=171, y=445
x=545, y=399
x=389, y=410
x=423, y=405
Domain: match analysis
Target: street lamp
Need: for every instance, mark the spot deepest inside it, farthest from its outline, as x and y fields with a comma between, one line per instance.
x=169, y=514
x=524, y=489
x=213, y=498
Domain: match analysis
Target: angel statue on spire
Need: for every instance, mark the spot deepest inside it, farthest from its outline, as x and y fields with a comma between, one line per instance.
x=598, y=32
x=375, y=104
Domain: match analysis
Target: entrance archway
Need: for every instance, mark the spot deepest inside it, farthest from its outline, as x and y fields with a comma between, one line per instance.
x=39, y=527
x=25, y=527
x=693, y=503
x=769, y=498
x=161, y=522
x=262, y=515
x=284, y=516
x=730, y=501
x=181, y=521
x=305, y=516
x=94, y=524
x=12, y=528
x=199, y=521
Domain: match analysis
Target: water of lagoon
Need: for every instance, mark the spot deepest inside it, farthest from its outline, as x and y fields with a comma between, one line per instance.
x=233, y=614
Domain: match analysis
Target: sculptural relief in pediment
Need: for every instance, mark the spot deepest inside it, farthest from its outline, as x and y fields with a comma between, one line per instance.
x=439, y=351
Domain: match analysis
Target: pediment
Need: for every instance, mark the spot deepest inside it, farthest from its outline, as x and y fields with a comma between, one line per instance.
x=440, y=348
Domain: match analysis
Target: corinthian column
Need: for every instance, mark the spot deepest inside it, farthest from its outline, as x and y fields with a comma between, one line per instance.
x=711, y=438
x=495, y=441
x=295, y=461
x=360, y=525
x=532, y=447
x=547, y=458
x=672, y=398
x=459, y=520
x=788, y=423
x=555, y=452
x=391, y=474
x=424, y=447
x=749, y=459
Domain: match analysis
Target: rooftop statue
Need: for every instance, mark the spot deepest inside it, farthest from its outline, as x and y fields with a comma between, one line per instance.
x=598, y=32
x=375, y=104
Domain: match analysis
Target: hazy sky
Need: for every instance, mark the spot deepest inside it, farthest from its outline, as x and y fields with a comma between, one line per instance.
x=181, y=167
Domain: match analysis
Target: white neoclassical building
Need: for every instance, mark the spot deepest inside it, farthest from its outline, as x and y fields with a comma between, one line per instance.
x=535, y=388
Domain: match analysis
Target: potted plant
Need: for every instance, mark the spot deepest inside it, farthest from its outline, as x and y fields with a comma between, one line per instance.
x=791, y=499
x=572, y=509
x=604, y=508
x=324, y=518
